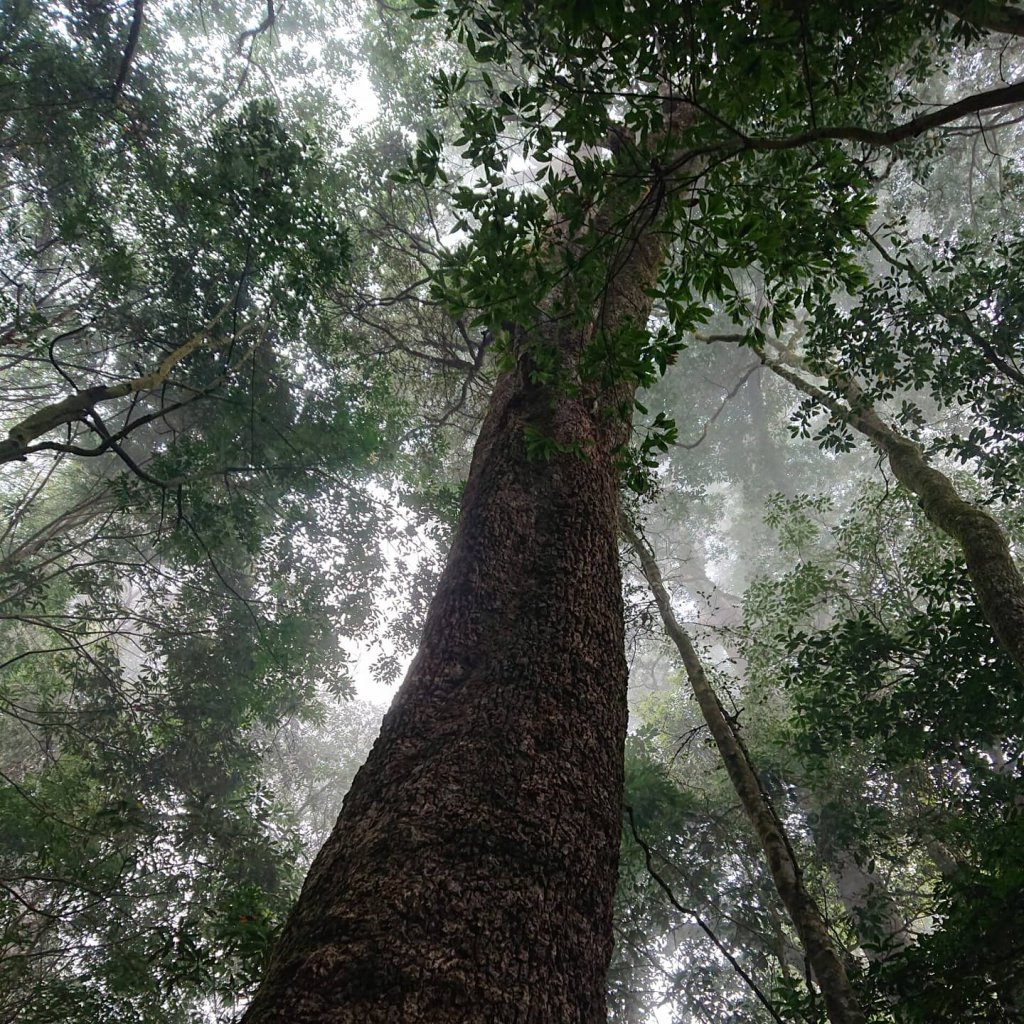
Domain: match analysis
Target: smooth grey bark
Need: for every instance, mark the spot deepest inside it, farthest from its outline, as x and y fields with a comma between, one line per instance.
x=880, y=925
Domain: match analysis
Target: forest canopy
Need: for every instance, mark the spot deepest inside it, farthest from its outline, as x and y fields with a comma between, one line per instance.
x=644, y=384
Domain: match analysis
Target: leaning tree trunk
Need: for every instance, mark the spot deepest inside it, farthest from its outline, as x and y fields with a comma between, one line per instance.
x=471, y=873
x=994, y=575
x=841, y=1002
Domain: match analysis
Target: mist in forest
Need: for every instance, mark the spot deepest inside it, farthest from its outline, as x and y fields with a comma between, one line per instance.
x=297, y=299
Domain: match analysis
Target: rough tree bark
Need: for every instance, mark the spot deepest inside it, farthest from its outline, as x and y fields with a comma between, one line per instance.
x=471, y=873
x=994, y=574
x=840, y=1000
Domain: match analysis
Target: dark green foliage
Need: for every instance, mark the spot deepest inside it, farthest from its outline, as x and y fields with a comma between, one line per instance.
x=906, y=696
x=933, y=683
x=171, y=601
x=764, y=175
x=944, y=323
x=181, y=563
x=969, y=969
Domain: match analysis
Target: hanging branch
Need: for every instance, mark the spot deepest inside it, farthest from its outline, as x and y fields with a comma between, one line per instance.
x=729, y=396
x=700, y=922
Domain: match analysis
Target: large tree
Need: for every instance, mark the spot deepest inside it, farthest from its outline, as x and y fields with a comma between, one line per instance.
x=470, y=875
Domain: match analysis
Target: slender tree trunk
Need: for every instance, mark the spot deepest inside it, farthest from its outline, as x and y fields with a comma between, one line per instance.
x=471, y=873
x=994, y=575
x=840, y=1001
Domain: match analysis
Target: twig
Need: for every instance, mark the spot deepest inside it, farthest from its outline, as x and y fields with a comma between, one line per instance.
x=701, y=923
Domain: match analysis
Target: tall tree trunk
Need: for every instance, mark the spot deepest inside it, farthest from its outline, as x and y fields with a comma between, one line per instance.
x=471, y=873
x=840, y=1000
x=994, y=575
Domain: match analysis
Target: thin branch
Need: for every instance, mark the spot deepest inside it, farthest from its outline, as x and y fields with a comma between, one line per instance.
x=701, y=923
x=958, y=319
x=729, y=396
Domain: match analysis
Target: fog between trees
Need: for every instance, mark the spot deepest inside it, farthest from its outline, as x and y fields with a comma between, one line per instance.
x=653, y=372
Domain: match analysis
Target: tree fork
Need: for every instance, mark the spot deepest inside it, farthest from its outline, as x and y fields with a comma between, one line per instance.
x=840, y=1000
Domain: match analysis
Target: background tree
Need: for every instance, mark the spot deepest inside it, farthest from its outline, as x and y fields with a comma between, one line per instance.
x=190, y=519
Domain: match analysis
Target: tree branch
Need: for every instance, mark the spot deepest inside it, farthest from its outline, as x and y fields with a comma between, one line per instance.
x=729, y=396
x=782, y=862
x=994, y=17
x=129, y=50
x=992, y=99
x=994, y=574
x=989, y=100
x=253, y=33
x=79, y=406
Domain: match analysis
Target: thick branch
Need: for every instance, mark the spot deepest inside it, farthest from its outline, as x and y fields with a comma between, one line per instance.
x=840, y=1000
x=253, y=33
